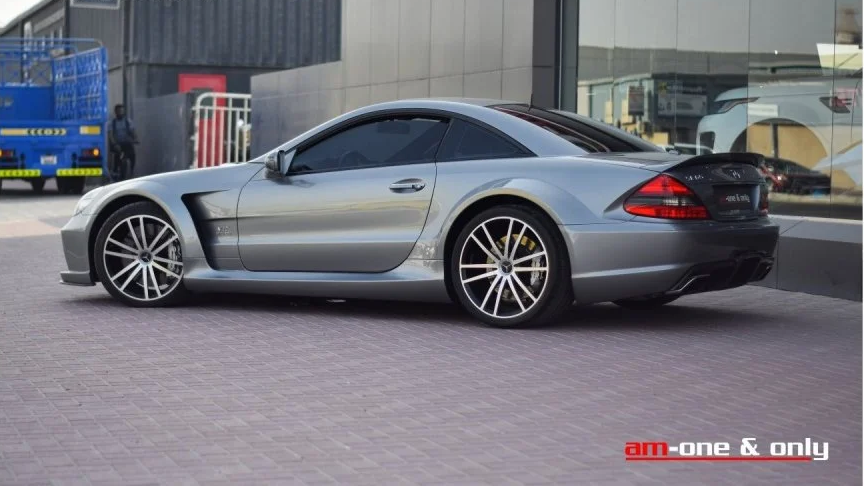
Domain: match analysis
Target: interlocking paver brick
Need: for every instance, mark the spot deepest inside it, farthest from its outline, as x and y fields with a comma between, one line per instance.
x=274, y=390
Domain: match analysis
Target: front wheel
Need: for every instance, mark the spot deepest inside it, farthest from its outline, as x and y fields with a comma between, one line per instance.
x=138, y=257
x=510, y=268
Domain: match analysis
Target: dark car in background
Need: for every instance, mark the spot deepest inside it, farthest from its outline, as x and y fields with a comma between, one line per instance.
x=786, y=176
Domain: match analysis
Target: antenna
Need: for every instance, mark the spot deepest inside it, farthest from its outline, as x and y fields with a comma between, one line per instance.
x=531, y=102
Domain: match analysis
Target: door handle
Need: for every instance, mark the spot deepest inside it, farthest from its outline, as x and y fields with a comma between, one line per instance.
x=407, y=186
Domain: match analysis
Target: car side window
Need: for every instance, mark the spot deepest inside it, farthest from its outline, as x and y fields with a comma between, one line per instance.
x=395, y=140
x=466, y=141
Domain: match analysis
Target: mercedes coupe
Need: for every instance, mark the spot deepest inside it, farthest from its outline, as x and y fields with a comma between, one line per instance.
x=513, y=211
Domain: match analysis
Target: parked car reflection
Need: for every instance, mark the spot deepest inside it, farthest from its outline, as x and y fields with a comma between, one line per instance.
x=787, y=176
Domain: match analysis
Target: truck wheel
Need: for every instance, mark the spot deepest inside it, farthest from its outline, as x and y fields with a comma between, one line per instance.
x=62, y=185
x=76, y=185
x=37, y=184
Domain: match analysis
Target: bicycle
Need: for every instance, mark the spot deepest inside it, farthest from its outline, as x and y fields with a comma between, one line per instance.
x=119, y=167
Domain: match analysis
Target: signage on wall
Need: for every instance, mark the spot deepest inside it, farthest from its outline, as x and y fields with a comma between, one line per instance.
x=635, y=100
x=110, y=4
x=676, y=98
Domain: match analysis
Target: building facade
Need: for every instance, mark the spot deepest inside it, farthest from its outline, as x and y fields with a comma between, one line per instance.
x=777, y=77
x=160, y=47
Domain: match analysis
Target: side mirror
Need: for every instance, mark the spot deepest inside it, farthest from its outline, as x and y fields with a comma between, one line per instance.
x=279, y=161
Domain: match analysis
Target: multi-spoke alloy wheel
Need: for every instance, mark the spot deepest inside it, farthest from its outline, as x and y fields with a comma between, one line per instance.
x=507, y=268
x=138, y=256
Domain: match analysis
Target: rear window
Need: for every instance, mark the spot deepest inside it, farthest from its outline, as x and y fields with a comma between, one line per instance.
x=585, y=133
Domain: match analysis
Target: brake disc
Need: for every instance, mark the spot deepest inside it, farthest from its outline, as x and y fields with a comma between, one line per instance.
x=527, y=246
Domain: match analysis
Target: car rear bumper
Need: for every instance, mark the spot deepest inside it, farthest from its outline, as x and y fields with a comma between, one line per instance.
x=634, y=259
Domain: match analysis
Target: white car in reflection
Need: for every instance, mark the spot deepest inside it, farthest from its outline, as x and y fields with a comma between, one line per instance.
x=830, y=108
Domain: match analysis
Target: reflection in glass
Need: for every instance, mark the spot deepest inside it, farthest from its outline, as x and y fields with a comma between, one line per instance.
x=778, y=77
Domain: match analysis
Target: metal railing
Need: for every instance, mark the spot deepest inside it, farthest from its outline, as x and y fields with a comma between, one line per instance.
x=222, y=129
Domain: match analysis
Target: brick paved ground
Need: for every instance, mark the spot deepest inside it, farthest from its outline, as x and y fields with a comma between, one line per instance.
x=248, y=390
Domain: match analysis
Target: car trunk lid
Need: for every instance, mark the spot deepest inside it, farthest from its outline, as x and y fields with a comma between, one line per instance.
x=730, y=185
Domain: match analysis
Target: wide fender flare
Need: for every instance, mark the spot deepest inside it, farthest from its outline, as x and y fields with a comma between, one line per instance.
x=171, y=203
x=561, y=206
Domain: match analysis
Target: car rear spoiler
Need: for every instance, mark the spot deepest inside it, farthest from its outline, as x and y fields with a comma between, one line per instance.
x=749, y=158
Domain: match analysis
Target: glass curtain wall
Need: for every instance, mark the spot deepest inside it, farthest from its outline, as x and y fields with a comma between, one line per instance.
x=777, y=77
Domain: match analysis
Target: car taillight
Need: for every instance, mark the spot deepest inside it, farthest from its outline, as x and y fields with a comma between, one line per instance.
x=665, y=197
x=7, y=154
x=763, y=203
x=91, y=152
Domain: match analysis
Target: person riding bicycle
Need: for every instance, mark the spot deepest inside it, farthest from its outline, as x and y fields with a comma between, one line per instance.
x=122, y=137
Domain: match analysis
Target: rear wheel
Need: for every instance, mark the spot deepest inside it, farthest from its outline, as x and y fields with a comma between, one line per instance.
x=75, y=185
x=138, y=257
x=646, y=303
x=510, y=268
x=37, y=184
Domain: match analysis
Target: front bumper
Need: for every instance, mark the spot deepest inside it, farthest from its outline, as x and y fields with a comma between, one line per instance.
x=81, y=279
x=634, y=259
x=75, y=236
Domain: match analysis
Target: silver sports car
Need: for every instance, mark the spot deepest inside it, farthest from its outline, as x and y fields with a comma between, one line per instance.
x=513, y=211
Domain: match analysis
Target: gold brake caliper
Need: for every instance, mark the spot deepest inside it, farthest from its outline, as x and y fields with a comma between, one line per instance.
x=528, y=244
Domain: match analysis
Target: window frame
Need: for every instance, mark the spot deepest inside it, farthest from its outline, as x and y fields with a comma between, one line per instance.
x=364, y=119
x=595, y=134
x=447, y=116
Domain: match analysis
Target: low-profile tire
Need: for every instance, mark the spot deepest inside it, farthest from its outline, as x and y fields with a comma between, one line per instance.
x=37, y=184
x=516, y=281
x=137, y=246
x=646, y=303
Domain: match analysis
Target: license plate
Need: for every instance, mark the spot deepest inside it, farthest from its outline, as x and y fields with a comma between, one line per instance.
x=734, y=198
x=49, y=160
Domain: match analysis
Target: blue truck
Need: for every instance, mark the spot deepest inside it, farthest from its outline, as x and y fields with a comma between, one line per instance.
x=53, y=111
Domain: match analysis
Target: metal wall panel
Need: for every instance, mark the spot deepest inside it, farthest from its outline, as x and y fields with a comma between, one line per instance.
x=518, y=37
x=385, y=41
x=162, y=80
x=484, y=36
x=274, y=34
x=115, y=89
x=48, y=20
x=447, y=54
x=14, y=31
x=447, y=86
x=164, y=125
x=415, y=43
x=102, y=24
x=358, y=42
x=516, y=84
x=483, y=85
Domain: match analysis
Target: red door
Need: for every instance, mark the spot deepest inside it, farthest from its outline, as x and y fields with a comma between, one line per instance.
x=211, y=124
